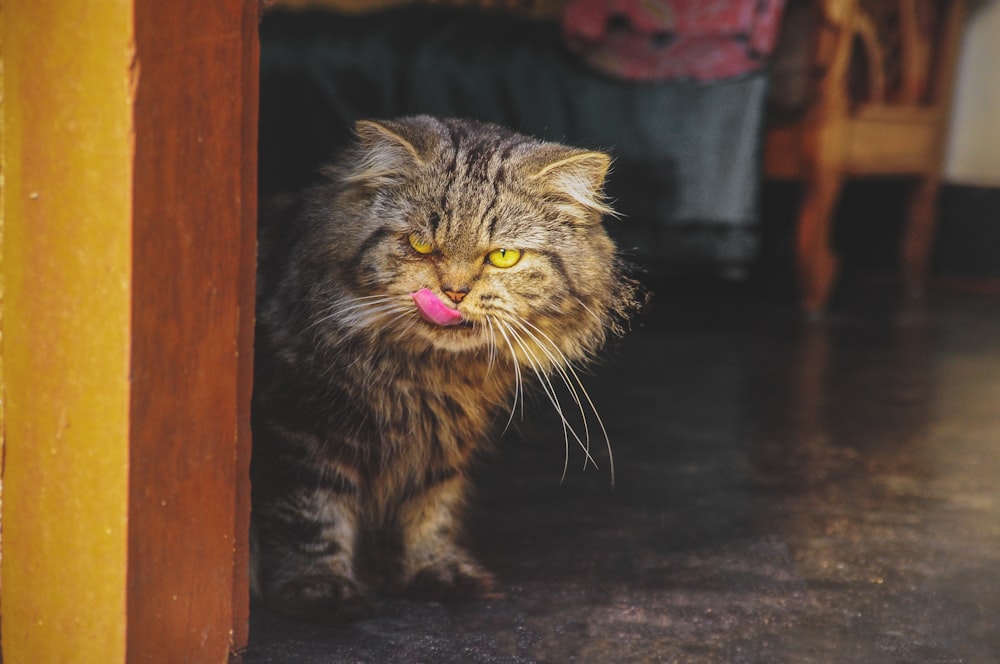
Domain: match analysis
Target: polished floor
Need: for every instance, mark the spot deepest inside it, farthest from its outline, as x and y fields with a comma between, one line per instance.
x=785, y=491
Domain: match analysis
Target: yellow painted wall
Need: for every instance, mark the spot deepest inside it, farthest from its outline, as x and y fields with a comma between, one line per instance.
x=67, y=147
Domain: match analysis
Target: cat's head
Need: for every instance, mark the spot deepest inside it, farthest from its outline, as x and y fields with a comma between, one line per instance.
x=464, y=236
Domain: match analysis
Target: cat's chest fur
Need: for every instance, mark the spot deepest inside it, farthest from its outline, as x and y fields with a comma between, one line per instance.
x=391, y=417
x=433, y=409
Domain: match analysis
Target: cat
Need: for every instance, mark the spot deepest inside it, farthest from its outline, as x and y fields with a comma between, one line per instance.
x=402, y=305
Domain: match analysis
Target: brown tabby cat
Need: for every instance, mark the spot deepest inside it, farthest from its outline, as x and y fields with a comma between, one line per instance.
x=401, y=306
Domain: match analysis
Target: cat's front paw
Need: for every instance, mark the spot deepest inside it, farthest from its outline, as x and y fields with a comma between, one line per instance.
x=322, y=599
x=451, y=580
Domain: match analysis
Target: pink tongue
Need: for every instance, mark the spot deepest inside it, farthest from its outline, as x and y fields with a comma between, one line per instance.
x=434, y=310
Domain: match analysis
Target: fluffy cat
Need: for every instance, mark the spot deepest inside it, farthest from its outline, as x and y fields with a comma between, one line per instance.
x=401, y=306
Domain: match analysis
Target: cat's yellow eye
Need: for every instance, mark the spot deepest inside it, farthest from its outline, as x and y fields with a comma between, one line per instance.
x=504, y=257
x=420, y=245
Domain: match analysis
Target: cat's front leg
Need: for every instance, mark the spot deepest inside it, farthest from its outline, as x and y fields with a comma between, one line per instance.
x=435, y=567
x=302, y=550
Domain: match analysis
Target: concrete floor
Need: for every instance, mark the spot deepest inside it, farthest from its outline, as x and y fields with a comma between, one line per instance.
x=785, y=492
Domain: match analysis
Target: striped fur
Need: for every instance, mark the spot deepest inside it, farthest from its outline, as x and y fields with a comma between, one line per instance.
x=366, y=417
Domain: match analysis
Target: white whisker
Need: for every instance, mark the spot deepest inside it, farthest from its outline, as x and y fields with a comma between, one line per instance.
x=600, y=422
x=589, y=311
x=550, y=392
x=367, y=304
x=556, y=357
x=567, y=370
x=491, y=358
x=412, y=317
x=518, y=385
x=539, y=372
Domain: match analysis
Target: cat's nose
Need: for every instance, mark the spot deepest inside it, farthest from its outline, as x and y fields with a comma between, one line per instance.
x=455, y=294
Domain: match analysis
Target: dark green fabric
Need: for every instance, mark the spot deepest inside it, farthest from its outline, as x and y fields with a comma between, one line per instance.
x=687, y=155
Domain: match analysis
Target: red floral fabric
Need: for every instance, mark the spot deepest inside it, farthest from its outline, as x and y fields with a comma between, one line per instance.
x=669, y=39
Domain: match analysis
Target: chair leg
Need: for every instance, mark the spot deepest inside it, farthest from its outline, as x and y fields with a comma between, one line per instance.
x=919, y=234
x=816, y=262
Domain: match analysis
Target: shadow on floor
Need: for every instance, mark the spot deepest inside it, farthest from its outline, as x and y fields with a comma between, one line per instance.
x=784, y=491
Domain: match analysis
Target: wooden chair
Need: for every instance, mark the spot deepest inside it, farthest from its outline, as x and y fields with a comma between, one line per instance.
x=880, y=75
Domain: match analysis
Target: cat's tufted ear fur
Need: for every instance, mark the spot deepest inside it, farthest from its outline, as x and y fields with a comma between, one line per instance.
x=575, y=176
x=387, y=150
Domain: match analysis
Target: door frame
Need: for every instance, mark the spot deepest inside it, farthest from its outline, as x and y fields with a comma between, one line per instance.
x=129, y=142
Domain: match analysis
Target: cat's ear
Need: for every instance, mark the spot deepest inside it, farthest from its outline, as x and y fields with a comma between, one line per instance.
x=385, y=153
x=575, y=176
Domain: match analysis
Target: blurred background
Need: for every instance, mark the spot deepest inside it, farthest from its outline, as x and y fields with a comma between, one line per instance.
x=788, y=141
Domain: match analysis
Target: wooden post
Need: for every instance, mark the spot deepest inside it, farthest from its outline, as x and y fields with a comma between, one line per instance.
x=129, y=159
x=823, y=141
x=922, y=214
